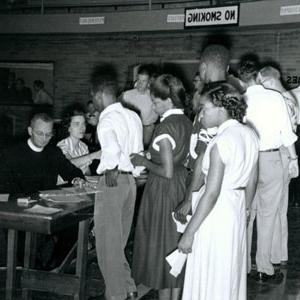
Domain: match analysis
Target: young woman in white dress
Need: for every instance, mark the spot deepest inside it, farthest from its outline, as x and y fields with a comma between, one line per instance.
x=215, y=238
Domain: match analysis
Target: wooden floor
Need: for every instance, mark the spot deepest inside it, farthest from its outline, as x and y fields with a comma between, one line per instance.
x=289, y=289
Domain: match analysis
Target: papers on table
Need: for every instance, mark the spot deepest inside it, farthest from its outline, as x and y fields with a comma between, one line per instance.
x=68, y=195
x=38, y=209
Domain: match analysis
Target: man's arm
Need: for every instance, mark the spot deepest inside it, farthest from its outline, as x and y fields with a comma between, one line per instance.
x=65, y=168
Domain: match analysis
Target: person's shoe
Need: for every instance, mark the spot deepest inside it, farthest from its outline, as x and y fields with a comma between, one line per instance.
x=132, y=296
x=276, y=278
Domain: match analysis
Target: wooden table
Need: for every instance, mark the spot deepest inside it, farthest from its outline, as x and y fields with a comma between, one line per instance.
x=14, y=218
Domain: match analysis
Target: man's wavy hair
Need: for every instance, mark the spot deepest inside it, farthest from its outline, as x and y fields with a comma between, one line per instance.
x=225, y=95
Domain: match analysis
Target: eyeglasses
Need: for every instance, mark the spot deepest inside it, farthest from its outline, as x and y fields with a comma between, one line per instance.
x=42, y=134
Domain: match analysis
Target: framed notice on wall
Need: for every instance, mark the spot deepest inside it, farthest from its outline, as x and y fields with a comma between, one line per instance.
x=211, y=16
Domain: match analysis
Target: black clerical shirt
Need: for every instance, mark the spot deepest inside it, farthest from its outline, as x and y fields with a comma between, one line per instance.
x=24, y=171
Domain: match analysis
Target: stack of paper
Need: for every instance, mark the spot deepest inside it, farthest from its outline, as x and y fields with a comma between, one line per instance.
x=38, y=209
x=68, y=195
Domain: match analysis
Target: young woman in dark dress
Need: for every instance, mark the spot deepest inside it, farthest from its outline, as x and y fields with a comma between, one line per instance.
x=156, y=234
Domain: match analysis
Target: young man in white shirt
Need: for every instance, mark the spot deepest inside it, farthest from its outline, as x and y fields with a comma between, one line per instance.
x=270, y=78
x=267, y=113
x=120, y=134
x=140, y=99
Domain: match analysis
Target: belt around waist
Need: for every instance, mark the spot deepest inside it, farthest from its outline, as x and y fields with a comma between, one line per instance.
x=270, y=150
x=119, y=172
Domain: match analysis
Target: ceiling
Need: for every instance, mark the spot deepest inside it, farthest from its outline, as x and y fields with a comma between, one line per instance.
x=91, y=6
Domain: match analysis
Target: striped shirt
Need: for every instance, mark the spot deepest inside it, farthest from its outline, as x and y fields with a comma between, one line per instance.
x=72, y=151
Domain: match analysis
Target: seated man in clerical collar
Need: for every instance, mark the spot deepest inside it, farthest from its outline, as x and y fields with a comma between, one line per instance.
x=34, y=165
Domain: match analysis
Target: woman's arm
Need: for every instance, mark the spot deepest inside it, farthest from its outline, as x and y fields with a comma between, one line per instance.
x=166, y=154
x=207, y=201
x=85, y=159
x=251, y=186
x=197, y=181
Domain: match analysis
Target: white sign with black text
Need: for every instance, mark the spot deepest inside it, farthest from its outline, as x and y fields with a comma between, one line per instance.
x=211, y=16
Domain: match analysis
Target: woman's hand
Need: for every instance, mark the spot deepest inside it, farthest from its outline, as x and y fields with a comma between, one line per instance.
x=182, y=211
x=186, y=242
x=137, y=159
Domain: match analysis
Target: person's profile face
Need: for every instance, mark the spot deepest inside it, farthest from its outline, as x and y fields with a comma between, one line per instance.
x=197, y=83
x=209, y=113
x=202, y=71
x=77, y=127
x=142, y=82
x=196, y=102
x=98, y=100
x=159, y=106
x=91, y=108
x=41, y=133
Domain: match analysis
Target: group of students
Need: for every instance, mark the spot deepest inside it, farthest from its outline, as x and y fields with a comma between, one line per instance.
x=221, y=169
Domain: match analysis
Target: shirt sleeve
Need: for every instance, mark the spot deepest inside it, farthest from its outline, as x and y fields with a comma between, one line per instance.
x=64, y=147
x=65, y=168
x=288, y=137
x=111, y=150
x=164, y=130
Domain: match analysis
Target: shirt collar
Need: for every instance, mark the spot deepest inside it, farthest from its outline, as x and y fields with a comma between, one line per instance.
x=111, y=107
x=172, y=111
x=34, y=147
x=227, y=124
x=253, y=88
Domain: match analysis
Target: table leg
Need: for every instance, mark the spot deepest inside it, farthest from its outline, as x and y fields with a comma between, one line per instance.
x=29, y=258
x=81, y=261
x=12, y=242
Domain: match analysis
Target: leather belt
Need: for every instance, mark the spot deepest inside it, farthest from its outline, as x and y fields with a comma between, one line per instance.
x=124, y=172
x=119, y=172
x=270, y=150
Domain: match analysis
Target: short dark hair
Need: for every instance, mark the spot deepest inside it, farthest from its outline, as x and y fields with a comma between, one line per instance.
x=68, y=119
x=216, y=54
x=143, y=70
x=40, y=116
x=168, y=86
x=227, y=96
x=20, y=80
x=248, y=70
x=39, y=83
x=104, y=83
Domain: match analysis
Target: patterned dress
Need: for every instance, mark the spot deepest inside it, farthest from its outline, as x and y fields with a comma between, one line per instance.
x=156, y=234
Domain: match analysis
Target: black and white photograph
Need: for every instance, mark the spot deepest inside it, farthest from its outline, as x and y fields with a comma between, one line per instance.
x=149, y=149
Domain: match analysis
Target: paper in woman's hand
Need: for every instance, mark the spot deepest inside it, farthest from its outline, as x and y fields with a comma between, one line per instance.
x=179, y=226
x=176, y=260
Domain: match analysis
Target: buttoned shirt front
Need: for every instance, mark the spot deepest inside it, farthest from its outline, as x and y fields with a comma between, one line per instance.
x=267, y=113
x=120, y=134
